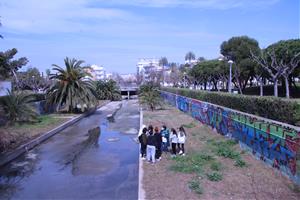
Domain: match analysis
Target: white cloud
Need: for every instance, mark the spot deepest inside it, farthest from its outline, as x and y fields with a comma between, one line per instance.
x=206, y=4
x=35, y=16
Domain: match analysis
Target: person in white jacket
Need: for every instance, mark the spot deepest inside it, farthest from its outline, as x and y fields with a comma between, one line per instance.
x=181, y=140
x=173, y=141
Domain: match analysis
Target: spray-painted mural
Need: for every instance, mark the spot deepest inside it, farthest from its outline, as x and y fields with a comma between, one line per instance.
x=271, y=142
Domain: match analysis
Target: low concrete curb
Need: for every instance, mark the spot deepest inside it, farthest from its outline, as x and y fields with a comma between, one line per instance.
x=141, y=195
x=8, y=157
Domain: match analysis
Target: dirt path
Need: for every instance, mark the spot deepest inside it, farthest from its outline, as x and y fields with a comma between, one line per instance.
x=214, y=167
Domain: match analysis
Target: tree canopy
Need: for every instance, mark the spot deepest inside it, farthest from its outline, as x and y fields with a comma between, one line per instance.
x=8, y=66
x=71, y=87
x=238, y=49
x=190, y=56
x=163, y=61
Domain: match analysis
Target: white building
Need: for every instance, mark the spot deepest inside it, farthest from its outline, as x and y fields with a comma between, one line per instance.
x=147, y=65
x=98, y=72
x=191, y=62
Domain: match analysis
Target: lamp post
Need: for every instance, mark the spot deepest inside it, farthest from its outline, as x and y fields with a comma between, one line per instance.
x=230, y=76
x=223, y=58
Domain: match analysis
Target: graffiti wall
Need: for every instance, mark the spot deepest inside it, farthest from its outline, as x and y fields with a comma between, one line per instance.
x=273, y=143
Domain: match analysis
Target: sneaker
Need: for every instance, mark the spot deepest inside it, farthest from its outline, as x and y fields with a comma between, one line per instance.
x=143, y=158
x=180, y=152
x=183, y=154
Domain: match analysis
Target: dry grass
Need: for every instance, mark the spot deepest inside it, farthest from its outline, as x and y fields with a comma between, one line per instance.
x=231, y=174
x=18, y=134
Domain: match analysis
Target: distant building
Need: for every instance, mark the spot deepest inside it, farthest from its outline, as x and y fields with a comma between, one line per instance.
x=97, y=72
x=191, y=62
x=146, y=66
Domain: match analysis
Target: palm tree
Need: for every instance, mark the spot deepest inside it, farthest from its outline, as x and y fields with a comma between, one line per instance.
x=71, y=87
x=107, y=90
x=163, y=62
x=149, y=96
x=16, y=107
x=190, y=56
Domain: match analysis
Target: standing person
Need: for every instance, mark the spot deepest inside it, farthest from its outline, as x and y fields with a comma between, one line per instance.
x=151, y=143
x=143, y=141
x=158, y=138
x=181, y=140
x=165, y=138
x=150, y=129
x=174, y=141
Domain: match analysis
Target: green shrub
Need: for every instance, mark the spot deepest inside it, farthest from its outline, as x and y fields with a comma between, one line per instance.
x=240, y=163
x=195, y=186
x=216, y=166
x=190, y=125
x=16, y=107
x=280, y=109
x=214, y=176
x=224, y=148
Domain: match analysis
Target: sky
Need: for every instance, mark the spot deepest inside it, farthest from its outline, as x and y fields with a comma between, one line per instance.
x=116, y=33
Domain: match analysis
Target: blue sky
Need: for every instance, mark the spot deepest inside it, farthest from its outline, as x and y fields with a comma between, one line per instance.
x=116, y=33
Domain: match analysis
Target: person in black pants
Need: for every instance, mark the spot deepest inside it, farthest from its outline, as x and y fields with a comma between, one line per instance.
x=158, y=138
x=143, y=141
x=174, y=141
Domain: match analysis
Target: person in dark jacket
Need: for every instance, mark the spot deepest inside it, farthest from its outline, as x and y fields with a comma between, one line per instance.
x=143, y=141
x=158, y=138
x=151, y=146
x=165, y=138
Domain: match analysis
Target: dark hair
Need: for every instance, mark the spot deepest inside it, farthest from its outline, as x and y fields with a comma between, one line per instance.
x=181, y=129
x=150, y=129
x=173, y=131
x=156, y=130
x=144, y=130
x=164, y=127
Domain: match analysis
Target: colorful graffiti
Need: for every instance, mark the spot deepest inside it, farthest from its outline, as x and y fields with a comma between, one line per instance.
x=274, y=143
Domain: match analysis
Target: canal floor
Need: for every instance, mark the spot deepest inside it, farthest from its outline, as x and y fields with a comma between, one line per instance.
x=75, y=165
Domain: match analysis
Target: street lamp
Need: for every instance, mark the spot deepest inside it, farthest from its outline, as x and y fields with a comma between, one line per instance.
x=222, y=58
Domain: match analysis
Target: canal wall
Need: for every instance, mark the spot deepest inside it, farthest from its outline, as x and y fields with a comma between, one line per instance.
x=275, y=143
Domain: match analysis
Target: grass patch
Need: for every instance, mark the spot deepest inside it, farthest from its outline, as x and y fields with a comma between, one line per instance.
x=240, y=163
x=193, y=163
x=216, y=166
x=224, y=148
x=214, y=176
x=195, y=186
x=295, y=188
x=190, y=125
x=43, y=120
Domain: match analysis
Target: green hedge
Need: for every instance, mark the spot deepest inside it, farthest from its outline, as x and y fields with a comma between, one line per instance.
x=275, y=108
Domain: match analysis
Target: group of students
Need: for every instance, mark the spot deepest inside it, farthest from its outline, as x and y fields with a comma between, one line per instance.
x=154, y=142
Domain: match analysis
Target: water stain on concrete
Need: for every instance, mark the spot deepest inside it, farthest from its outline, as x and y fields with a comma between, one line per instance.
x=75, y=164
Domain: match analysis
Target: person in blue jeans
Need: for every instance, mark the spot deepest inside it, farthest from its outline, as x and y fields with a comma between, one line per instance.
x=165, y=138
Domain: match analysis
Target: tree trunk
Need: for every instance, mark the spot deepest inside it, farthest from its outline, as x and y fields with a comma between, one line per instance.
x=275, y=87
x=261, y=86
x=287, y=90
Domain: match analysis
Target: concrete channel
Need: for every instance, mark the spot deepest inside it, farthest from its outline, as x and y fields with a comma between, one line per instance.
x=81, y=164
